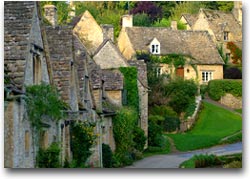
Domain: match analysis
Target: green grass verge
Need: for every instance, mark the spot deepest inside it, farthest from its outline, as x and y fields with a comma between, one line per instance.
x=214, y=123
x=233, y=139
x=238, y=110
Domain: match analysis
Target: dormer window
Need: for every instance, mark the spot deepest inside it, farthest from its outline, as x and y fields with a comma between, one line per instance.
x=155, y=47
x=226, y=36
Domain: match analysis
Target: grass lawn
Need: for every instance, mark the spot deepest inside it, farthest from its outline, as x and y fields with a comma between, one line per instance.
x=214, y=123
x=238, y=110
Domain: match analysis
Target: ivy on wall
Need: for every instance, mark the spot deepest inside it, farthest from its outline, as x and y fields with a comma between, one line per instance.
x=130, y=85
x=43, y=101
x=236, y=52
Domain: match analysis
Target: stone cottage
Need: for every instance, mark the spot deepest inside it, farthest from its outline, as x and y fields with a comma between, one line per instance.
x=203, y=61
x=109, y=58
x=223, y=27
x=24, y=64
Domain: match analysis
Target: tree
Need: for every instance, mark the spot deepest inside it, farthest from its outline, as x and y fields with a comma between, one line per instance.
x=149, y=8
x=141, y=20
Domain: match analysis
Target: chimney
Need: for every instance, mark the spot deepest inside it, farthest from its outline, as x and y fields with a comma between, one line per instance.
x=174, y=25
x=127, y=21
x=50, y=13
x=237, y=11
x=108, y=32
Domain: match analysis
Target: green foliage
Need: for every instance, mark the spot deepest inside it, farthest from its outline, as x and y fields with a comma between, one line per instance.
x=236, y=52
x=42, y=102
x=181, y=93
x=226, y=6
x=171, y=124
x=162, y=23
x=139, y=139
x=123, y=127
x=181, y=26
x=83, y=138
x=214, y=123
x=130, y=85
x=141, y=20
x=107, y=156
x=218, y=88
x=186, y=7
x=190, y=109
x=162, y=111
x=49, y=158
x=203, y=90
x=223, y=56
x=155, y=131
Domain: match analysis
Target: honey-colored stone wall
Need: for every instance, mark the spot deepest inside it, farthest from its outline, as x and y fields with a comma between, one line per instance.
x=89, y=32
x=216, y=69
x=231, y=101
x=115, y=97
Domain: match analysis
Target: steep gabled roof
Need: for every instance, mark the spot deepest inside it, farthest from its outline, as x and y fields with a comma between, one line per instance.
x=190, y=18
x=17, y=27
x=196, y=44
x=108, y=56
x=113, y=80
x=220, y=21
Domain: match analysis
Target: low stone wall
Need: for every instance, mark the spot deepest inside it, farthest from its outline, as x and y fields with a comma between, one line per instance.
x=187, y=124
x=231, y=101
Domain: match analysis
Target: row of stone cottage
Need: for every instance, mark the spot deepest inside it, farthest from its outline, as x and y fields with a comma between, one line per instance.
x=82, y=61
x=57, y=55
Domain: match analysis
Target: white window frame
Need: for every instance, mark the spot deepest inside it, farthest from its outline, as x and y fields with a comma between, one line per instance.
x=155, y=47
x=226, y=35
x=206, y=76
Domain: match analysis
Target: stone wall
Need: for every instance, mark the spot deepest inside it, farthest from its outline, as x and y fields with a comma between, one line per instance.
x=231, y=101
x=89, y=32
x=115, y=97
x=189, y=122
x=109, y=57
x=216, y=69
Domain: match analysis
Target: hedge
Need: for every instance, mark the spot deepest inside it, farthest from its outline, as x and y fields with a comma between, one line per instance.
x=218, y=88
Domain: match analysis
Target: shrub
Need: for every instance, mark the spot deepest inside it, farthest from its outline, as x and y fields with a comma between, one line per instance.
x=232, y=73
x=83, y=137
x=181, y=92
x=190, y=109
x=234, y=164
x=218, y=88
x=162, y=111
x=49, y=158
x=155, y=131
x=141, y=20
x=107, y=156
x=123, y=127
x=139, y=139
x=170, y=124
x=202, y=161
x=203, y=90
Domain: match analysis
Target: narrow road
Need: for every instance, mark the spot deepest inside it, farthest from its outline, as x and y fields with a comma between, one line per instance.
x=175, y=159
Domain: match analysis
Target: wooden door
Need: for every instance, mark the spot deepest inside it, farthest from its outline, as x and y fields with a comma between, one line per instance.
x=180, y=72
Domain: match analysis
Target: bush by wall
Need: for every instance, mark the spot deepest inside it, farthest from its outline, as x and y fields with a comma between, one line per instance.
x=139, y=139
x=232, y=73
x=107, y=156
x=155, y=130
x=49, y=158
x=83, y=138
x=218, y=88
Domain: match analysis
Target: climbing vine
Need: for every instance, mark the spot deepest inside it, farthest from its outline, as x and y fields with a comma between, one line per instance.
x=130, y=85
x=43, y=102
x=236, y=52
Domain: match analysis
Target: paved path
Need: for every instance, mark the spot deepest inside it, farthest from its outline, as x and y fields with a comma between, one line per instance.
x=175, y=159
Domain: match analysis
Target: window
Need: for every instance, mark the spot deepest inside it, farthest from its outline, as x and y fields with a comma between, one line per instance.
x=158, y=71
x=155, y=47
x=44, y=139
x=206, y=76
x=37, y=74
x=27, y=143
x=226, y=36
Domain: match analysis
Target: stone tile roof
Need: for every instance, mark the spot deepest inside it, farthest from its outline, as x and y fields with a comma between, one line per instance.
x=190, y=18
x=61, y=55
x=220, y=21
x=113, y=80
x=17, y=29
x=17, y=26
x=197, y=44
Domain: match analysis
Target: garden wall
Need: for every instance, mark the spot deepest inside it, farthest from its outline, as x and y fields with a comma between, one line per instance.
x=187, y=124
x=231, y=101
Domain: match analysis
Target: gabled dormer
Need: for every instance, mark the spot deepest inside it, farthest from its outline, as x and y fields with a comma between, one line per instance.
x=155, y=46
